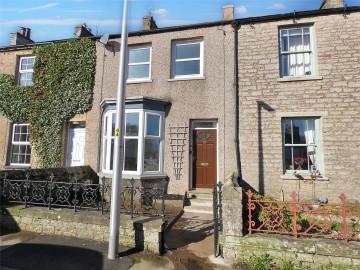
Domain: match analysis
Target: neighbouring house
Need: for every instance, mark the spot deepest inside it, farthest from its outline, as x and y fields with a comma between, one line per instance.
x=299, y=89
x=289, y=110
x=179, y=107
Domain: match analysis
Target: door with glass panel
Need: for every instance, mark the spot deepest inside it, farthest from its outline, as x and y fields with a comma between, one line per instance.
x=204, y=170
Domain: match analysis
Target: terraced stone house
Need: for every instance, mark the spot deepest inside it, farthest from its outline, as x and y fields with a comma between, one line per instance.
x=270, y=103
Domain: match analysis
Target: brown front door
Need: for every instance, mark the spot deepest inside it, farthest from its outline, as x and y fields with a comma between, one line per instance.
x=204, y=175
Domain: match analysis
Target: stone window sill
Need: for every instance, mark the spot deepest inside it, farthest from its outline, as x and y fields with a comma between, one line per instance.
x=300, y=176
x=139, y=81
x=19, y=167
x=129, y=176
x=299, y=78
x=186, y=79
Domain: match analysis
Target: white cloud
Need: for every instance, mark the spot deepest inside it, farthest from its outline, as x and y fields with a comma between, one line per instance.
x=39, y=8
x=162, y=12
x=240, y=10
x=278, y=6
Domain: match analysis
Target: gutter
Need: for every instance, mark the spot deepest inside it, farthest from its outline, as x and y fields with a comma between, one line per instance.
x=236, y=26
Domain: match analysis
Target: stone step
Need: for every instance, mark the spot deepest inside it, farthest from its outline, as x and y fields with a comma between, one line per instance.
x=200, y=193
x=201, y=202
x=200, y=206
x=198, y=210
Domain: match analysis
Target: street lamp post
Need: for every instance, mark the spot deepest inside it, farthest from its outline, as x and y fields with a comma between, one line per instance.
x=119, y=143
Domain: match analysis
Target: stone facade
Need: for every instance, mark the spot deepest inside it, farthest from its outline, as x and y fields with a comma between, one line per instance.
x=265, y=99
x=8, y=65
x=332, y=96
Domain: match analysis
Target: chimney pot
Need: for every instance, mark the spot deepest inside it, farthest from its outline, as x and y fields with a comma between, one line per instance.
x=228, y=13
x=22, y=31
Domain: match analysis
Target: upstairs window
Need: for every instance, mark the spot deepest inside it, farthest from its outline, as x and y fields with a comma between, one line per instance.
x=296, y=51
x=139, y=63
x=20, y=145
x=187, y=59
x=26, y=70
x=301, y=144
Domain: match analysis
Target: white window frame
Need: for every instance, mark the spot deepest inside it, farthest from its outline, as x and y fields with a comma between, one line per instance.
x=174, y=60
x=140, y=47
x=311, y=51
x=24, y=71
x=13, y=143
x=159, y=138
x=142, y=136
x=316, y=145
x=140, y=141
x=107, y=138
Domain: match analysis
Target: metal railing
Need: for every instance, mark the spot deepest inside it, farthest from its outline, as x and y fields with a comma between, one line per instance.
x=217, y=210
x=338, y=221
x=135, y=200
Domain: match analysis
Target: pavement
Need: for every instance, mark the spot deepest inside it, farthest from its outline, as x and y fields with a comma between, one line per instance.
x=189, y=245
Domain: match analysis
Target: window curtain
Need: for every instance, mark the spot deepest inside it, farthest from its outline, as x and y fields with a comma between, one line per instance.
x=299, y=63
x=310, y=139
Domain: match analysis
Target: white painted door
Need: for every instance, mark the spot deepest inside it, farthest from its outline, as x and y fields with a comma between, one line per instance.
x=76, y=147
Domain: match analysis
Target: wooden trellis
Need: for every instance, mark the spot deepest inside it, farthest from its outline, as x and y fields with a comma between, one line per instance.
x=177, y=143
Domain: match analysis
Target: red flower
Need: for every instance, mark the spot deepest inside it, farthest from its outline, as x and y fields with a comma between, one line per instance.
x=300, y=160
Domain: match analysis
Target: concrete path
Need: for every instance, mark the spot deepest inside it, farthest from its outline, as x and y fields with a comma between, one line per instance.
x=189, y=244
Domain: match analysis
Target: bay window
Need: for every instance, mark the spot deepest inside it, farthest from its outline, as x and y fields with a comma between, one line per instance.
x=143, y=142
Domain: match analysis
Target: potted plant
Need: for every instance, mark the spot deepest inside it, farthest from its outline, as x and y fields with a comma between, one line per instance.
x=300, y=161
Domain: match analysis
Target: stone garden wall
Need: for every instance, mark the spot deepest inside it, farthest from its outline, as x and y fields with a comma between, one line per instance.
x=142, y=233
x=312, y=251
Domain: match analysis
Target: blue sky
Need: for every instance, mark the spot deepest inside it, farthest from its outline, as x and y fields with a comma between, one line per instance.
x=55, y=19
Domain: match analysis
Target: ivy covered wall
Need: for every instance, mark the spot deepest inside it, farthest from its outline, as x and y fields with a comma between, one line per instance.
x=62, y=87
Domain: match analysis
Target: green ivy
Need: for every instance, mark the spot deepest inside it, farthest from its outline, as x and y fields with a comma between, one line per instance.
x=14, y=99
x=62, y=87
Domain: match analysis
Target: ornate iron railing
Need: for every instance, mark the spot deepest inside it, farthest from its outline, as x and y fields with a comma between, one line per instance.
x=338, y=221
x=135, y=200
x=143, y=200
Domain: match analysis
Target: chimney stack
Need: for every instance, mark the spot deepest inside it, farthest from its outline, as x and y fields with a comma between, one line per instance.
x=149, y=23
x=332, y=4
x=228, y=13
x=21, y=38
x=82, y=31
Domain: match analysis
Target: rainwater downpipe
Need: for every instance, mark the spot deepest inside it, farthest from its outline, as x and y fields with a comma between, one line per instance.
x=236, y=26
